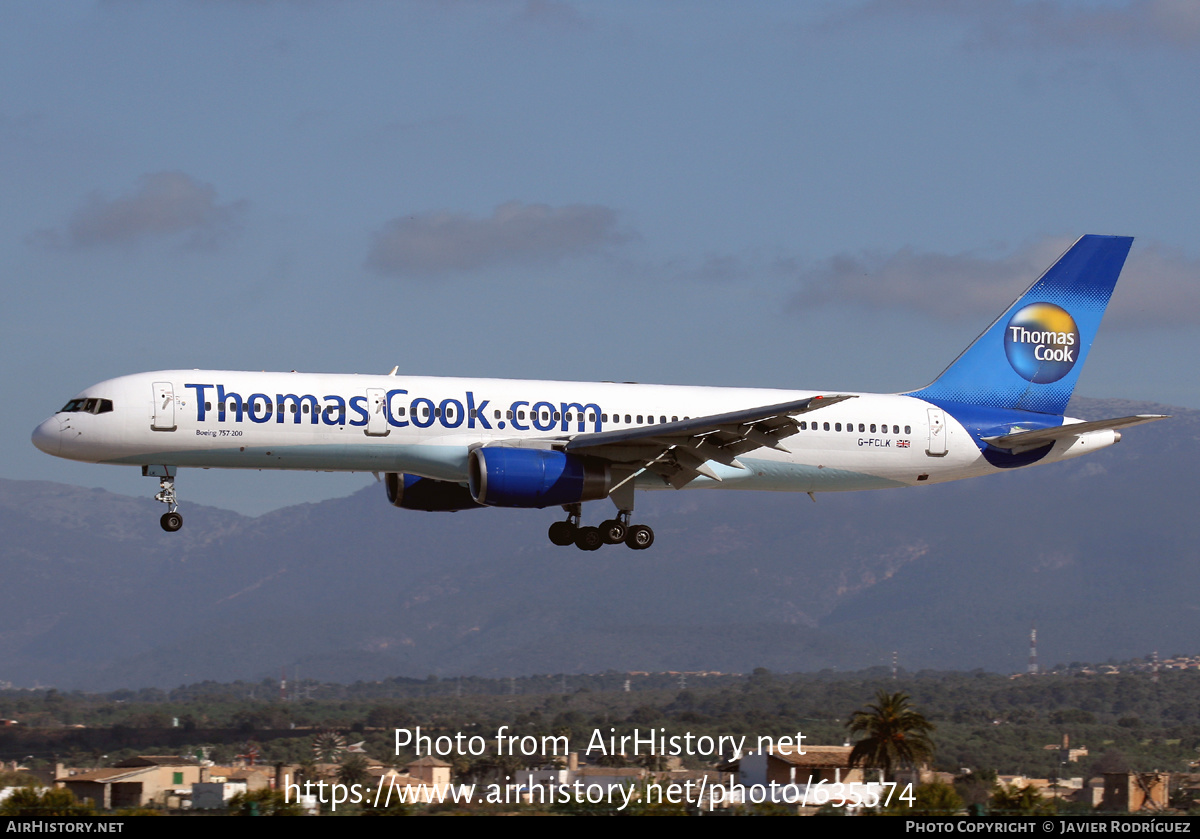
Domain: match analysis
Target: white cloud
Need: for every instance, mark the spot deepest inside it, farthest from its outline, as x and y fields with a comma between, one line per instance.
x=945, y=286
x=553, y=13
x=1050, y=23
x=432, y=244
x=164, y=205
x=1159, y=286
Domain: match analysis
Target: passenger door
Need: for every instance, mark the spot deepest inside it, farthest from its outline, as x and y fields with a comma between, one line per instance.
x=163, y=418
x=377, y=420
x=937, y=433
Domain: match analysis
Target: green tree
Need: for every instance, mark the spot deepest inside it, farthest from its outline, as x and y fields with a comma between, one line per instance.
x=354, y=770
x=936, y=799
x=18, y=779
x=895, y=734
x=976, y=787
x=263, y=802
x=1025, y=801
x=28, y=802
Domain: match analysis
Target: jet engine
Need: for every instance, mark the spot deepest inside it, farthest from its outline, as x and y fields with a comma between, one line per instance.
x=502, y=476
x=414, y=493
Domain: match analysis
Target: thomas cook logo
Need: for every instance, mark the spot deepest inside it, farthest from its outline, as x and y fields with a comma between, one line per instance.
x=1042, y=342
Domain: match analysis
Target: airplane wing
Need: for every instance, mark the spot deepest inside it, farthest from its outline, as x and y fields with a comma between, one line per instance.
x=1021, y=441
x=680, y=451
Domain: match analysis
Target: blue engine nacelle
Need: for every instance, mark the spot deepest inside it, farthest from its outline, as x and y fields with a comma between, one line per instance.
x=501, y=476
x=413, y=493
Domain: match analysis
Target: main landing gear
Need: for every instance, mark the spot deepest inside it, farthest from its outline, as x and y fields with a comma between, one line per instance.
x=612, y=532
x=171, y=520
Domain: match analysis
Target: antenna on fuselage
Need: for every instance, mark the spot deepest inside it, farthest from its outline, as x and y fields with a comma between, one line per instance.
x=394, y=369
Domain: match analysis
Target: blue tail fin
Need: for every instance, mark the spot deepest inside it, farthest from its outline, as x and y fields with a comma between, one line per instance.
x=1029, y=359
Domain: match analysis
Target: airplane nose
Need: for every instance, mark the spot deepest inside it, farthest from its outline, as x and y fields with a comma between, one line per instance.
x=48, y=436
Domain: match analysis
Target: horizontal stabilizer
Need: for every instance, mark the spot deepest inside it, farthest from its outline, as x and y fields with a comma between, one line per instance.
x=1021, y=441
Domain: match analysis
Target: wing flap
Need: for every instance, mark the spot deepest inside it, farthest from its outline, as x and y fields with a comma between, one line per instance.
x=774, y=419
x=680, y=451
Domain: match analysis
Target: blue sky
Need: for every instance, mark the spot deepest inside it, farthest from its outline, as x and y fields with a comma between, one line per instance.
x=773, y=194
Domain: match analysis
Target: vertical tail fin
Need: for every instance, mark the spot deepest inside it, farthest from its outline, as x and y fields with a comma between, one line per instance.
x=1030, y=357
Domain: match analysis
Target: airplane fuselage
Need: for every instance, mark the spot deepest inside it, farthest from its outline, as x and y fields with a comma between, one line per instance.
x=427, y=426
x=449, y=444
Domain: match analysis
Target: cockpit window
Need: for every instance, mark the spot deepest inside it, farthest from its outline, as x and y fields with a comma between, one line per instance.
x=87, y=406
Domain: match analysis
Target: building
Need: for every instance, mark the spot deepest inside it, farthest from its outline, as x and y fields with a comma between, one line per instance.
x=795, y=765
x=136, y=782
x=1135, y=792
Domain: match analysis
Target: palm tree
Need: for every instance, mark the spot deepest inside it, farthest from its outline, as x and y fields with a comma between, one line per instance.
x=1025, y=801
x=354, y=769
x=896, y=735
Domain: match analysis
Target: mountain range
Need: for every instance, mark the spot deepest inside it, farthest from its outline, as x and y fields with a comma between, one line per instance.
x=1099, y=553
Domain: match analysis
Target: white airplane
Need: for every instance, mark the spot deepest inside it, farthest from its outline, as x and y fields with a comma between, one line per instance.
x=453, y=444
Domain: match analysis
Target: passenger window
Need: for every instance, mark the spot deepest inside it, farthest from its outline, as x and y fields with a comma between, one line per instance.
x=639, y=419
x=803, y=425
x=837, y=426
x=674, y=419
x=895, y=429
x=520, y=415
x=650, y=420
x=425, y=410
x=908, y=429
x=497, y=414
x=627, y=420
x=556, y=417
x=862, y=428
x=872, y=428
x=826, y=426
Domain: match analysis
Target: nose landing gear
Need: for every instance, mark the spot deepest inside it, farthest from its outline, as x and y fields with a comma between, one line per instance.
x=171, y=520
